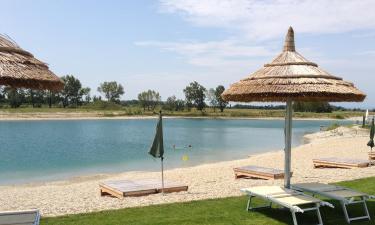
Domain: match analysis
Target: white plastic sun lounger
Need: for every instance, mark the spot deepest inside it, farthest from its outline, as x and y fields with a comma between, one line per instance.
x=346, y=196
x=295, y=201
x=24, y=217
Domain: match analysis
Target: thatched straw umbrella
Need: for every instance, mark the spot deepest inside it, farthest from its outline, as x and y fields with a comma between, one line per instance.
x=19, y=69
x=288, y=78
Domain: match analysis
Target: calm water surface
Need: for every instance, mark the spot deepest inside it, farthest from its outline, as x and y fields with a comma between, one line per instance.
x=48, y=150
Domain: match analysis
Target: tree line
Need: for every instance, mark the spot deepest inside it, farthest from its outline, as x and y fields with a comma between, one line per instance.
x=197, y=96
x=72, y=95
x=75, y=95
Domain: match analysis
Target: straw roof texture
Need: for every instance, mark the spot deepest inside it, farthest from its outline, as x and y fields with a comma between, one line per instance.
x=19, y=68
x=291, y=76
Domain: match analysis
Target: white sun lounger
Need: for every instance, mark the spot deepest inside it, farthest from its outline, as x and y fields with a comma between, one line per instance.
x=346, y=196
x=295, y=201
x=24, y=217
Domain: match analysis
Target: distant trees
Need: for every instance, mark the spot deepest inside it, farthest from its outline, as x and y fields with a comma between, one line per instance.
x=85, y=94
x=174, y=104
x=72, y=93
x=111, y=90
x=215, y=99
x=149, y=99
x=318, y=107
x=15, y=97
x=35, y=97
x=195, y=95
x=220, y=101
x=211, y=98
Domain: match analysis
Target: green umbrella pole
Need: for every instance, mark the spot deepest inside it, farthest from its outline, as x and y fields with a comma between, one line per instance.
x=288, y=142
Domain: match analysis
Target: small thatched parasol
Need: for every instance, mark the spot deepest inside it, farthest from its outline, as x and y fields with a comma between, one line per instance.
x=19, y=69
x=290, y=77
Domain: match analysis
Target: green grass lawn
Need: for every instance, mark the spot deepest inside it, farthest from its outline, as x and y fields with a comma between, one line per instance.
x=227, y=211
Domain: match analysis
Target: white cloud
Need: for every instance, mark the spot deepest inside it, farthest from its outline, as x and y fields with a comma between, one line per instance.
x=212, y=53
x=269, y=19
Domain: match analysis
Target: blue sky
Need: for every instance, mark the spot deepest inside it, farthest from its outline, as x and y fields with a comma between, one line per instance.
x=164, y=45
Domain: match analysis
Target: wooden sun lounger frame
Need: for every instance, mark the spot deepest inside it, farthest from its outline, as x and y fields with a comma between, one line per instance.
x=22, y=212
x=273, y=198
x=371, y=155
x=257, y=172
x=322, y=163
x=344, y=202
x=108, y=189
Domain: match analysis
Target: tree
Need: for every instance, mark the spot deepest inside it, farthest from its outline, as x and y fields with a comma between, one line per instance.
x=175, y=104
x=71, y=93
x=2, y=94
x=14, y=96
x=211, y=97
x=86, y=93
x=180, y=105
x=195, y=95
x=219, y=100
x=170, y=104
x=35, y=97
x=111, y=90
x=149, y=99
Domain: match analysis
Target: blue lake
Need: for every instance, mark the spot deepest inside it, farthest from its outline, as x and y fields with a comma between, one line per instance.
x=49, y=150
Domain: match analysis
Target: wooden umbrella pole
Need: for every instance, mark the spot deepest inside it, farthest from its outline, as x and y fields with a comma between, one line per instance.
x=288, y=142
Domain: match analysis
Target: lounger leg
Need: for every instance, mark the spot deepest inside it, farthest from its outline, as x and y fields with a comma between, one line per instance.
x=318, y=214
x=366, y=209
x=249, y=203
x=345, y=212
x=249, y=207
x=294, y=218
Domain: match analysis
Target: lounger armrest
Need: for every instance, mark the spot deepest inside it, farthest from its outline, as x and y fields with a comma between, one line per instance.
x=323, y=203
x=297, y=209
x=371, y=197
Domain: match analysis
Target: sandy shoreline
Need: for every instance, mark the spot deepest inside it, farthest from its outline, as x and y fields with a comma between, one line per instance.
x=214, y=180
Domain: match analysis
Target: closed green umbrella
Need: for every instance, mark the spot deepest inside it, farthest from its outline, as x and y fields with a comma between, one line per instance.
x=372, y=133
x=157, y=148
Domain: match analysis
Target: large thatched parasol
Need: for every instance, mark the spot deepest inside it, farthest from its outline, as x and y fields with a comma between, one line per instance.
x=19, y=68
x=290, y=77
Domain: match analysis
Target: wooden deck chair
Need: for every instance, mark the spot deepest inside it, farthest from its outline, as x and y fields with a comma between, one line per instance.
x=134, y=188
x=295, y=201
x=333, y=162
x=24, y=217
x=371, y=155
x=258, y=172
x=344, y=195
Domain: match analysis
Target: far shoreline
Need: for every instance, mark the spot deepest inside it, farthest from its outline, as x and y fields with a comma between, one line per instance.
x=67, y=117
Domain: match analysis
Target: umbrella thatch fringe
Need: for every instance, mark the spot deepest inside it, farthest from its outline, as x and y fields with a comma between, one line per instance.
x=291, y=76
x=19, y=68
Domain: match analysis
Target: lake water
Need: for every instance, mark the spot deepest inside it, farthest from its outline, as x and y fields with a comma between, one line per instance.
x=49, y=150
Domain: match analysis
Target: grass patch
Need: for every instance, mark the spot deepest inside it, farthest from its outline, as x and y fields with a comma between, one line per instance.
x=226, y=211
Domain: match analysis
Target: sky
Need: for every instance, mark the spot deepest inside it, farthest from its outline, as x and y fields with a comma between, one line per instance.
x=164, y=45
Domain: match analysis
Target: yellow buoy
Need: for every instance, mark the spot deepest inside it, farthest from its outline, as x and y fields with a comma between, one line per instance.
x=185, y=158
